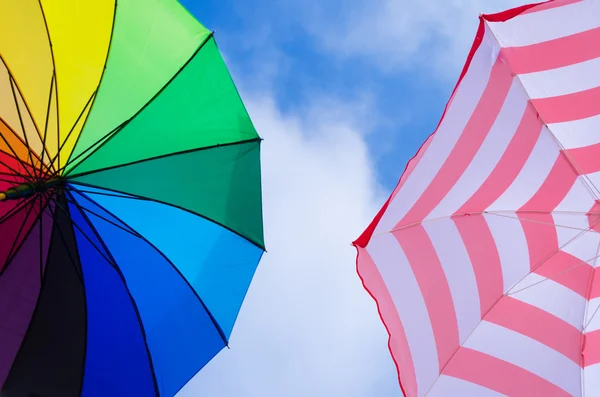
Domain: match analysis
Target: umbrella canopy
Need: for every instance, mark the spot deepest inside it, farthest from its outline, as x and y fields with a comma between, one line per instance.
x=130, y=198
x=484, y=259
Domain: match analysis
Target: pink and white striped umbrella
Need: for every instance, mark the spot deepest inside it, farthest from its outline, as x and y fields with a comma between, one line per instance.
x=484, y=260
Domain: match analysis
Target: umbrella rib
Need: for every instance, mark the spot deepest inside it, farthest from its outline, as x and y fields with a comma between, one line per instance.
x=61, y=235
x=107, y=194
x=496, y=213
x=14, y=156
x=587, y=321
x=110, y=260
x=542, y=261
x=15, y=86
x=11, y=177
x=42, y=213
x=79, y=273
x=113, y=263
x=212, y=318
x=549, y=277
x=588, y=294
x=592, y=316
x=15, y=172
x=14, y=153
x=42, y=236
x=62, y=145
x=92, y=97
x=6, y=173
x=14, y=210
x=545, y=223
x=132, y=232
x=10, y=258
x=51, y=86
x=593, y=190
x=106, y=138
x=11, y=181
x=507, y=293
x=589, y=185
x=39, y=296
x=52, y=82
x=12, y=252
x=142, y=198
x=12, y=131
x=163, y=156
x=12, y=86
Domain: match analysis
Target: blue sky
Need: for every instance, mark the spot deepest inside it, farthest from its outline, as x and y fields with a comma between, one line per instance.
x=344, y=93
x=270, y=42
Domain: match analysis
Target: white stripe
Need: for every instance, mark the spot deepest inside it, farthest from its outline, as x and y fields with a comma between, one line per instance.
x=459, y=112
x=448, y=386
x=406, y=295
x=562, y=81
x=593, y=315
x=591, y=381
x=552, y=297
x=577, y=133
x=527, y=353
x=488, y=155
x=459, y=272
x=532, y=175
x=594, y=179
x=537, y=27
x=577, y=199
x=569, y=226
x=512, y=247
x=584, y=247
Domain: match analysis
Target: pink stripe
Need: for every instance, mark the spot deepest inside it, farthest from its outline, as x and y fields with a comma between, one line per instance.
x=567, y=270
x=538, y=324
x=555, y=53
x=484, y=257
x=509, y=166
x=585, y=159
x=594, y=223
x=467, y=146
x=397, y=343
x=541, y=236
x=595, y=286
x=499, y=375
x=412, y=163
x=550, y=5
x=594, y=216
x=591, y=348
x=575, y=106
x=555, y=187
x=426, y=266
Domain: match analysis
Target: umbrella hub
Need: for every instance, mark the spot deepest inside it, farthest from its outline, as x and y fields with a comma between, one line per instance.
x=29, y=189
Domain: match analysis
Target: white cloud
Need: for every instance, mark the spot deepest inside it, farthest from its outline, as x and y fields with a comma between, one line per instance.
x=308, y=327
x=402, y=33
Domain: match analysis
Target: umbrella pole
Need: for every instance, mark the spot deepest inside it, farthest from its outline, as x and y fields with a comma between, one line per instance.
x=28, y=189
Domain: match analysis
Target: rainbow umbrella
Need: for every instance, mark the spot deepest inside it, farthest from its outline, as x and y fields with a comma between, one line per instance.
x=130, y=198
